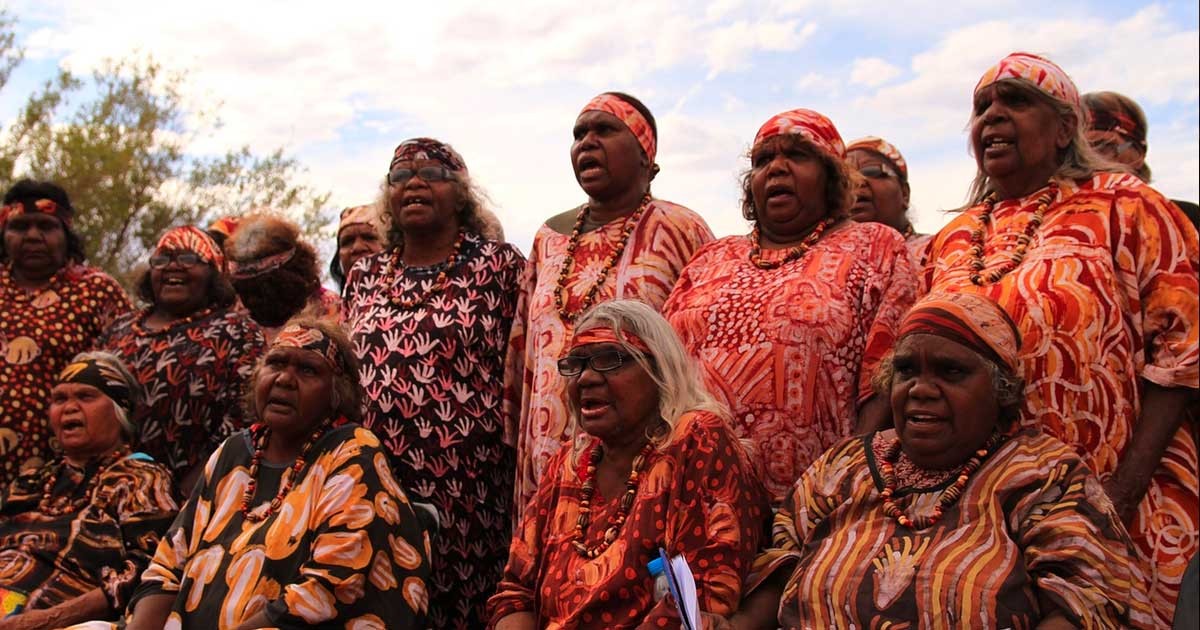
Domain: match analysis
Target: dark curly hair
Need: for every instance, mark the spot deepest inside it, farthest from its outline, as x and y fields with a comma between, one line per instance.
x=840, y=180
x=28, y=191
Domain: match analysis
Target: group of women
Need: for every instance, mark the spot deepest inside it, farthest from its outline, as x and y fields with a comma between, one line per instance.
x=835, y=420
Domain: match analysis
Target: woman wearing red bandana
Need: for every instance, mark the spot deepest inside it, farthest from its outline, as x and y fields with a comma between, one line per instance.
x=622, y=243
x=1099, y=271
x=51, y=308
x=192, y=350
x=790, y=320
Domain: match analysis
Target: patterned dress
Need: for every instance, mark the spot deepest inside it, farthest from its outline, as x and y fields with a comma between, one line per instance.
x=343, y=551
x=194, y=373
x=792, y=350
x=434, y=376
x=40, y=332
x=698, y=496
x=1106, y=297
x=1033, y=522
x=535, y=395
x=97, y=532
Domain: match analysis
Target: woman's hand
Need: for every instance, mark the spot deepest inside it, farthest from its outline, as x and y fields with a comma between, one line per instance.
x=91, y=605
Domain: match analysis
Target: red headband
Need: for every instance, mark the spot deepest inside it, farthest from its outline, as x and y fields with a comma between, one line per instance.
x=804, y=122
x=44, y=206
x=969, y=319
x=602, y=334
x=1044, y=74
x=630, y=116
x=428, y=149
x=312, y=340
x=192, y=239
x=884, y=148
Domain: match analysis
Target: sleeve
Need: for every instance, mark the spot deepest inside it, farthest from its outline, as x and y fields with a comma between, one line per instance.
x=143, y=508
x=888, y=295
x=112, y=303
x=666, y=242
x=516, y=380
x=717, y=524
x=369, y=556
x=243, y=352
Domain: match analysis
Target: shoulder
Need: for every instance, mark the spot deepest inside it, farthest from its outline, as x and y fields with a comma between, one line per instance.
x=137, y=471
x=724, y=247
x=877, y=234
x=675, y=215
x=505, y=252
x=561, y=223
x=93, y=278
x=238, y=321
x=122, y=327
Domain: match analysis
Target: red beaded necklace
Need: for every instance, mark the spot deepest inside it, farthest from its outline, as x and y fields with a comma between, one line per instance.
x=796, y=252
x=57, y=506
x=948, y=496
x=564, y=272
x=139, y=323
x=260, y=433
x=585, y=502
x=396, y=264
x=977, y=237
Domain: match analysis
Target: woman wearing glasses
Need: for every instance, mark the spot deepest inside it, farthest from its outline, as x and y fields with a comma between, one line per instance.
x=191, y=350
x=653, y=464
x=883, y=193
x=430, y=317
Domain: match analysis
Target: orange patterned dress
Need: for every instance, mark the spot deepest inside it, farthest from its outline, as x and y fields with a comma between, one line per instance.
x=791, y=350
x=1106, y=297
x=535, y=395
x=698, y=497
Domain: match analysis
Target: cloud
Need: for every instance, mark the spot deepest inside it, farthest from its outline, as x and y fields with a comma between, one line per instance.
x=872, y=72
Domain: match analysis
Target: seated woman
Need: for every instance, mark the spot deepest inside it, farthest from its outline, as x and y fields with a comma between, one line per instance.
x=955, y=518
x=297, y=520
x=76, y=533
x=655, y=465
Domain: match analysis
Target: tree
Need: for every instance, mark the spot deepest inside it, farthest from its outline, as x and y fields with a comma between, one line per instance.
x=121, y=153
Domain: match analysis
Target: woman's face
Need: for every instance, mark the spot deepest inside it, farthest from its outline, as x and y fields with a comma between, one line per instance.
x=1017, y=137
x=943, y=402
x=606, y=156
x=179, y=281
x=423, y=205
x=293, y=391
x=880, y=197
x=616, y=406
x=36, y=244
x=787, y=186
x=357, y=241
x=84, y=420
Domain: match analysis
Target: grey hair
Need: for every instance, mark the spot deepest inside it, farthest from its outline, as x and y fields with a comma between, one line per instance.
x=1078, y=161
x=136, y=393
x=474, y=215
x=1007, y=386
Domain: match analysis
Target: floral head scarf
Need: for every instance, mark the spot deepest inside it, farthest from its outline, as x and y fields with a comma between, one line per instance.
x=630, y=116
x=882, y=147
x=804, y=122
x=192, y=239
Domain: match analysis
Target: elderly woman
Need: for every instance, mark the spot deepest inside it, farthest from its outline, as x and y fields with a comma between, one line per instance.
x=52, y=307
x=298, y=518
x=655, y=466
x=76, y=533
x=275, y=273
x=431, y=317
x=789, y=321
x=883, y=192
x=622, y=243
x=359, y=234
x=191, y=349
x=1099, y=272
x=958, y=517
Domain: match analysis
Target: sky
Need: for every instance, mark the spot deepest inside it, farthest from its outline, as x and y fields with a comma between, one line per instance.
x=339, y=84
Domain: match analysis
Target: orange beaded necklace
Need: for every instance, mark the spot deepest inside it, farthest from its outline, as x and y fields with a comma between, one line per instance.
x=588, y=490
x=564, y=273
x=946, y=499
x=977, y=237
x=396, y=266
x=795, y=253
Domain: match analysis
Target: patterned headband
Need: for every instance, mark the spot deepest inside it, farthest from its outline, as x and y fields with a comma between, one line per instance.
x=603, y=334
x=969, y=319
x=224, y=225
x=630, y=116
x=357, y=215
x=44, y=206
x=313, y=340
x=884, y=148
x=815, y=127
x=1108, y=120
x=192, y=239
x=1044, y=74
x=257, y=267
x=101, y=376
x=428, y=149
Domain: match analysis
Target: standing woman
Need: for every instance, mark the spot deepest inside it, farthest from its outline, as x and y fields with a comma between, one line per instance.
x=622, y=243
x=359, y=235
x=883, y=191
x=1098, y=270
x=790, y=320
x=191, y=350
x=430, y=319
x=52, y=307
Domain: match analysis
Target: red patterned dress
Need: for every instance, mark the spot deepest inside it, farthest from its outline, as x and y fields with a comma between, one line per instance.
x=40, y=332
x=433, y=376
x=535, y=395
x=698, y=496
x=1106, y=297
x=792, y=350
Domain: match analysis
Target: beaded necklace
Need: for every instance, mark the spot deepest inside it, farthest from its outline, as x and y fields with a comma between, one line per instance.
x=585, y=502
x=977, y=237
x=58, y=506
x=139, y=323
x=396, y=265
x=908, y=232
x=796, y=252
x=260, y=434
x=564, y=272
x=948, y=496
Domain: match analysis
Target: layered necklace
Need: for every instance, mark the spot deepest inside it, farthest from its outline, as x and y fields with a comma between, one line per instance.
x=52, y=505
x=396, y=266
x=978, y=277
x=948, y=496
x=795, y=253
x=561, y=294
x=139, y=323
x=588, y=490
x=260, y=433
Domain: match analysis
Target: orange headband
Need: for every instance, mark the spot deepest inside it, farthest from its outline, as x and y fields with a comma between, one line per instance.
x=603, y=334
x=313, y=340
x=629, y=115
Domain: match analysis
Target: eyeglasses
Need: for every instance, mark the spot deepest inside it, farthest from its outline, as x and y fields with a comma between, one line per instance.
x=427, y=173
x=184, y=259
x=1114, y=148
x=600, y=362
x=876, y=171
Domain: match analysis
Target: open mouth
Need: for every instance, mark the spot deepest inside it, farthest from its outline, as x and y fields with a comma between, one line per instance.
x=280, y=404
x=588, y=165
x=416, y=201
x=863, y=204
x=920, y=419
x=779, y=192
x=71, y=425
x=174, y=281
x=593, y=407
x=994, y=144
